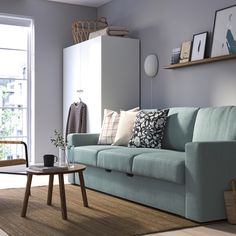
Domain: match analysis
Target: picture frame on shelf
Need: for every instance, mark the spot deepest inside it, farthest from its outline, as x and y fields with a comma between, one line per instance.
x=199, y=46
x=224, y=32
x=185, y=51
x=175, y=56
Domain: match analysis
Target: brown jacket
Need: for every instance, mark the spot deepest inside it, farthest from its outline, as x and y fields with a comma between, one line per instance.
x=76, y=121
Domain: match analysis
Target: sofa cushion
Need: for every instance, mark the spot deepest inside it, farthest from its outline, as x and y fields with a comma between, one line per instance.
x=125, y=128
x=179, y=127
x=215, y=124
x=148, y=129
x=109, y=127
x=161, y=164
x=88, y=154
x=119, y=159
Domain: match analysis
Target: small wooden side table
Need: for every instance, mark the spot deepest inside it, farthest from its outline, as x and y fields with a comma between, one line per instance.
x=51, y=172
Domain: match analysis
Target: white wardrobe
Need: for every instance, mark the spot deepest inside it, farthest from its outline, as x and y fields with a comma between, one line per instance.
x=104, y=73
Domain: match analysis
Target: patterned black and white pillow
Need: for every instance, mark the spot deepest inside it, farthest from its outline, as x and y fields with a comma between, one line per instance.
x=148, y=129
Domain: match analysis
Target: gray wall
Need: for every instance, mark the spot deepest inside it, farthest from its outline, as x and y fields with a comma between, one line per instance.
x=162, y=25
x=52, y=33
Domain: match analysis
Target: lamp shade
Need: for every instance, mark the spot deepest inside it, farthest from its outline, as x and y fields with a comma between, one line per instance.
x=151, y=65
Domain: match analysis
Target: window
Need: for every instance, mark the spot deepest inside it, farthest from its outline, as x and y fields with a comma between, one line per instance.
x=16, y=78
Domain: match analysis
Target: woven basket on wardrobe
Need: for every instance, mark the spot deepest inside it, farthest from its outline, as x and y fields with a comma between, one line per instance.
x=230, y=203
x=82, y=28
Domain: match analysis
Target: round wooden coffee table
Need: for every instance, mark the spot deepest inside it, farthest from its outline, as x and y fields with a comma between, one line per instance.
x=51, y=172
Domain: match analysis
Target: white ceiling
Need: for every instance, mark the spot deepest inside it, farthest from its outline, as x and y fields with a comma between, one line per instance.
x=89, y=3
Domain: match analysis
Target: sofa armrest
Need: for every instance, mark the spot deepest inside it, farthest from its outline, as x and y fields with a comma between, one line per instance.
x=209, y=168
x=82, y=139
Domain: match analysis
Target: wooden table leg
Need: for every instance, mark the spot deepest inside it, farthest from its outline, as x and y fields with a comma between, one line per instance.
x=83, y=190
x=62, y=196
x=50, y=189
x=27, y=193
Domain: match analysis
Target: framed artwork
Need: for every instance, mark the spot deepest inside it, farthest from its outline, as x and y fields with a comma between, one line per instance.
x=185, y=51
x=224, y=32
x=199, y=46
x=175, y=56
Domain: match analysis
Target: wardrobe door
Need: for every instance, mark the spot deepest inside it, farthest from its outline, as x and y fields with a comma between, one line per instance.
x=120, y=73
x=71, y=81
x=90, y=75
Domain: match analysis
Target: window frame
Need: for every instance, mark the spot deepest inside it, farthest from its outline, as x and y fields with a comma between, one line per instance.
x=18, y=20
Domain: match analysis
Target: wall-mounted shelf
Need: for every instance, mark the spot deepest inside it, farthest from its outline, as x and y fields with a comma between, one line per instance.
x=203, y=61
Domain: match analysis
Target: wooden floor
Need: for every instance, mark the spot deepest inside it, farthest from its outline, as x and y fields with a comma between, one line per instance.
x=222, y=229
x=214, y=229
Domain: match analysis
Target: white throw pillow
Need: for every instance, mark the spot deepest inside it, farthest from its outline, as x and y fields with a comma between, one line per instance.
x=134, y=109
x=125, y=128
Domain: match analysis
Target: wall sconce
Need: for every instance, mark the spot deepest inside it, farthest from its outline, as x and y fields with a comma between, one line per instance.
x=151, y=65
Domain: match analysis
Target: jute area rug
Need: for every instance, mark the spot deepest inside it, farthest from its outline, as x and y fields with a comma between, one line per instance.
x=106, y=215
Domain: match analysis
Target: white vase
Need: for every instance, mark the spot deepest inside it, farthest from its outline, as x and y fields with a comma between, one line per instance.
x=62, y=160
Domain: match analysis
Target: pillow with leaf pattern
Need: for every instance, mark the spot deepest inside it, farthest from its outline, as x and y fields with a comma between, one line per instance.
x=148, y=129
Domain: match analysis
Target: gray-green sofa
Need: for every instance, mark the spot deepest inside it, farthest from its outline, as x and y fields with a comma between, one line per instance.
x=187, y=177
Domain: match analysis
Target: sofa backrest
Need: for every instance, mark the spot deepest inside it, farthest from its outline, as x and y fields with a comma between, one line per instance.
x=215, y=124
x=179, y=127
